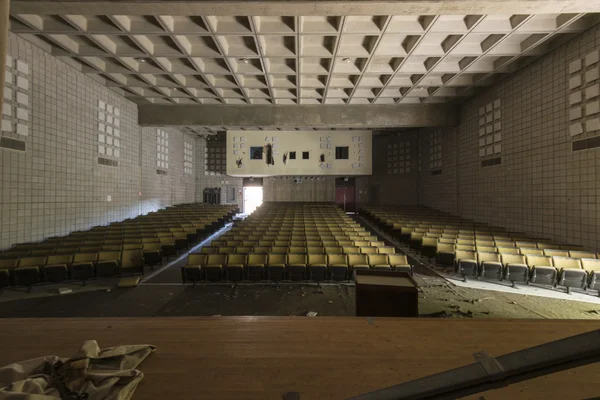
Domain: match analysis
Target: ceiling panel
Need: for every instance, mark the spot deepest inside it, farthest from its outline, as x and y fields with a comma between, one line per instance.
x=367, y=59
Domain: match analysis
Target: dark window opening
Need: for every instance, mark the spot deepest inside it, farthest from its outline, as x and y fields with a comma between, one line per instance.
x=341, y=153
x=305, y=155
x=256, y=153
x=292, y=155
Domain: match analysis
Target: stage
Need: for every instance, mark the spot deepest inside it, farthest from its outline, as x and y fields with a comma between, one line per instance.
x=321, y=358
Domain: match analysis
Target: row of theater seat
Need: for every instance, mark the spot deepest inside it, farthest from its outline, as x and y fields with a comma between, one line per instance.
x=477, y=250
x=121, y=248
x=28, y=271
x=299, y=249
x=294, y=267
x=295, y=241
x=564, y=271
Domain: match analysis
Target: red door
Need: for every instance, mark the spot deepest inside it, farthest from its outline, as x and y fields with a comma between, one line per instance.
x=344, y=197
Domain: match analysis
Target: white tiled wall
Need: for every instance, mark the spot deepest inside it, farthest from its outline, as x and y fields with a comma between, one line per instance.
x=57, y=186
x=542, y=187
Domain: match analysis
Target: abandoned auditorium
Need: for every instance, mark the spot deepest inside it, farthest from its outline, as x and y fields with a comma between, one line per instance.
x=299, y=199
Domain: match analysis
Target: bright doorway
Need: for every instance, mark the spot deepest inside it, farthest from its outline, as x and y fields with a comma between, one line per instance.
x=253, y=198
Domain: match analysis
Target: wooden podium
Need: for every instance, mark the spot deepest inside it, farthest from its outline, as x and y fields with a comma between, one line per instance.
x=386, y=294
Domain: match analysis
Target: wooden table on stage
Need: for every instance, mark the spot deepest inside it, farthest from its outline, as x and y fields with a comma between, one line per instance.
x=321, y=358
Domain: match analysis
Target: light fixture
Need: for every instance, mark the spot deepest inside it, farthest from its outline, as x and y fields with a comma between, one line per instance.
x=142, y=60
x=346, y=59
x=244, y=60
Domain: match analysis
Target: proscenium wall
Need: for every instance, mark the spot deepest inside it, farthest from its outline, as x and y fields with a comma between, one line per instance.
x=542, y=187
x=395, y=170
x=316, y=143
x=210, y=179
x=309, y=189
x=56, y=186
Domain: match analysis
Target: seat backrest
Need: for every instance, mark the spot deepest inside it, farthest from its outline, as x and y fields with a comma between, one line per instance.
x=357, y=259
x=132, y=258
x=90, y=249
x=137, y=246
x=279, y=250
x=268, y=243
x=298, y=243
x=397, y=259
x=197, y=259
x=243, y=250
x=556, y=253
x=465, y=255
x=59, y=259
x=582, y=254
x=145, y=240
x=32, y=261
x=109, y=255
x=368, y=250
x=445, y=247
x=151, y=246
x=257, y=259
x=261, y=249
x=8, y=263
x=317, y=259
x=548, y=246
x=531, y=251
x=297, y=258
x=539, y=261
x=216, y=259
x=225, y=250
x=111, y=248
x=338, y=259
x=511, y=258
x=487, y=249
x=297, y=250
x=314, y=250
x=282, y=243
x=525, y=244
x=468, y=242
x=236, y=259
x=276, y=259
x=386, y=250
x=333, y=250
x=501, y=243
x=429, y=242
x=566, y=262
x=508, y=250
x=590, y=264
x=209, y=250
x=416, y=236
x=378, y=259
x=484, y=243
x=466, y=247
x=488, y=257
x=350, y=250
x=85, y=257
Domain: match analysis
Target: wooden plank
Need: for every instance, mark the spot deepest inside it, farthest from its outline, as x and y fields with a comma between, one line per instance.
x=322, y=358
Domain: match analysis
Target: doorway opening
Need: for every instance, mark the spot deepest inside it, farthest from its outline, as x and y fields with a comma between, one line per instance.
x=253, y=198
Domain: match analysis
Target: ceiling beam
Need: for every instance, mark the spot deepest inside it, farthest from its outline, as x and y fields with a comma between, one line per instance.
x=309, y=116
x=301, y=7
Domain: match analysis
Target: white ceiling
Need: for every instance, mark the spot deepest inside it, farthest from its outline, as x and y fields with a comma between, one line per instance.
x=381, y=59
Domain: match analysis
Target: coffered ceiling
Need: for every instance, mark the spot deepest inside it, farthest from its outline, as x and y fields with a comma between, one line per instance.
x=291, y=60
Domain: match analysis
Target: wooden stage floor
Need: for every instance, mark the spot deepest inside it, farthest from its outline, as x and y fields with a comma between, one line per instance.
x=321, y=358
